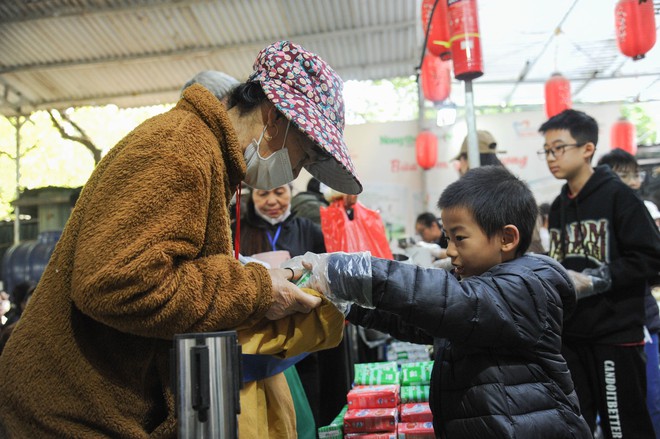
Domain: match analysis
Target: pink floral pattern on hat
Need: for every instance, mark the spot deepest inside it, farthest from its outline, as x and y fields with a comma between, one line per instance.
x=309, y=93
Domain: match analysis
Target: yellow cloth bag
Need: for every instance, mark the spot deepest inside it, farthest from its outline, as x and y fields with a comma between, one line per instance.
x=266, y=405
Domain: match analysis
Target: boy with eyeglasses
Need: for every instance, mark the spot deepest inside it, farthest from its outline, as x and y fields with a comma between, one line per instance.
x=600, y=231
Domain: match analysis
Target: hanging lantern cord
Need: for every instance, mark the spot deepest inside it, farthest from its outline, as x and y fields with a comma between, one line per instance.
x=418, y=69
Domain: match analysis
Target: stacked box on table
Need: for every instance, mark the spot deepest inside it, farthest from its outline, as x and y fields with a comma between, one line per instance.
x=380, y=365
x=414, y=394
x=404, y=352
x=367, y=374
x=416, y=374
x=381, y=420
x=415, y=412
x=369, y=397
x=370, y=436
x=335, y=430
x=415, y=430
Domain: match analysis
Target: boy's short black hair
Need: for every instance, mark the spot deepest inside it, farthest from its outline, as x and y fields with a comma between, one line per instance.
x=618, y=159
x=427, y=219
x=496, y=198
x=583, y=128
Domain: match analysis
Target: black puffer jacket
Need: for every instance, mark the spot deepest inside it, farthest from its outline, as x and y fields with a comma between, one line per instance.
x=498, y=370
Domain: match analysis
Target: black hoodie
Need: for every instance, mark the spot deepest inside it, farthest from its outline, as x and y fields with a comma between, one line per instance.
x=607, y=223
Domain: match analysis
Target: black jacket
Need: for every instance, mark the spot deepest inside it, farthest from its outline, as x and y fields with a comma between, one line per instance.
x=498, y=371
x=297, y=235
x=606, y=223
x=308, y=205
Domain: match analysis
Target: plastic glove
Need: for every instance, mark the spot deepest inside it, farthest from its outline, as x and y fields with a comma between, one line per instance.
x=435, y=249
x=591, y=281
x=342, y=277
x=600, y=277
x=247, y=259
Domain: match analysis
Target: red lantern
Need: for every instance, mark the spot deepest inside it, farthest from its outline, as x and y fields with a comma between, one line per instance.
x=465, y=39
x=426, y=148
x=635, y=27
x=438, y=38
x=624, y=136
x=557, y=95
x=436, y=78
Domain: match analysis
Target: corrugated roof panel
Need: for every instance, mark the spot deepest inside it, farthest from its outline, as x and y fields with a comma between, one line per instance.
x=59, y=50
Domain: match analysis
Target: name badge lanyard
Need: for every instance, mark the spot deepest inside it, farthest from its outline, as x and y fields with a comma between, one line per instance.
x=273, y=239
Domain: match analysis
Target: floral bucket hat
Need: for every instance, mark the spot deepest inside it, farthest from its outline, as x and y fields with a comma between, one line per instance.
x=308, y=92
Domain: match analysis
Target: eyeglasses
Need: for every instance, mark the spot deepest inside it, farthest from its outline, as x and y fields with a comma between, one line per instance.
x=641, y=175
x=557, y=150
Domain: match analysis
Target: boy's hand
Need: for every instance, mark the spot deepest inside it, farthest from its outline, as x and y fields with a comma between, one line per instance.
x=591, y=281
x=584, y=286
x=341, y=277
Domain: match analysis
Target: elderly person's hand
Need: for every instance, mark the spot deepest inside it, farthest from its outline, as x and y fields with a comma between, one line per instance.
x=287, y=297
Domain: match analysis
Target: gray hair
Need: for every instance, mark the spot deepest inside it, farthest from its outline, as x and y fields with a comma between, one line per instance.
x=218, y=83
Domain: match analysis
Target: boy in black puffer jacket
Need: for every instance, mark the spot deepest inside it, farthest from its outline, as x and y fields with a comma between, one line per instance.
x=496, y=322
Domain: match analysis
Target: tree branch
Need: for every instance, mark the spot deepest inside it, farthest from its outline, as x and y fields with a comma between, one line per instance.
x=83, y=138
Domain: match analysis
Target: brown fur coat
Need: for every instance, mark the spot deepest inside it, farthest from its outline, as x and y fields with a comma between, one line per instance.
x=145, y=255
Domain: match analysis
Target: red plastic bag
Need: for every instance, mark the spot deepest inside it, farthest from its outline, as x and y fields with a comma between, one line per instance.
x=365, y=232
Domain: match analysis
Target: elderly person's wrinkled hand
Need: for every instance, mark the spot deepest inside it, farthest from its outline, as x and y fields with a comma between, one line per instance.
x=287, y=297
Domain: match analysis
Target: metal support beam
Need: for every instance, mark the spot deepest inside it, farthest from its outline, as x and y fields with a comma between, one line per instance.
x=17, y=122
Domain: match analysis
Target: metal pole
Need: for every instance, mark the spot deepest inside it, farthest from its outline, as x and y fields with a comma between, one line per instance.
x=470, y=119
x=17, y=222
x=420, y=128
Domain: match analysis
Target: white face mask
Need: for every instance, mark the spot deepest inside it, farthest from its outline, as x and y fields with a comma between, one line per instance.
x=270, y=172
x=272, y=221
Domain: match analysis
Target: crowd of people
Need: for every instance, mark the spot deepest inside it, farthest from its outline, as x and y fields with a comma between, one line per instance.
x=541, y=317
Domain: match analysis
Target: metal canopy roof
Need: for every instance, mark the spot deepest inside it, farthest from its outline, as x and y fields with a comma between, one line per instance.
x=61, y=53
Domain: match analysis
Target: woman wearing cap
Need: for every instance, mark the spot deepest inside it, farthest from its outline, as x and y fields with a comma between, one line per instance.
x=147, y=254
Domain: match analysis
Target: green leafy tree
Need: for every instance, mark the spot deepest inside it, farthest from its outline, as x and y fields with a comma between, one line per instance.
x=647, y=133
x=65, y=152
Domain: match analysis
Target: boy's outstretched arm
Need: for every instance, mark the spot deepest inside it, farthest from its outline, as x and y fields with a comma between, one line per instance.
x=389, y=323
x=507, y=306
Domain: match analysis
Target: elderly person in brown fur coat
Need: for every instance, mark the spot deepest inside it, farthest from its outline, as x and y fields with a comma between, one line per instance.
x=147, y=254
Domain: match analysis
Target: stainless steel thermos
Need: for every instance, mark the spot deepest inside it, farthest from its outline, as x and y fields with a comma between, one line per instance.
x=208, y=382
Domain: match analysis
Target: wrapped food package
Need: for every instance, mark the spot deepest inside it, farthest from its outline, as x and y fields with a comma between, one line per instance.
x=415, y=394
x=371, y=420
x=370, y=436
x=367, y=397
x=415, y=412
x=415, y=430
x=415, y=374
x=335, y=430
